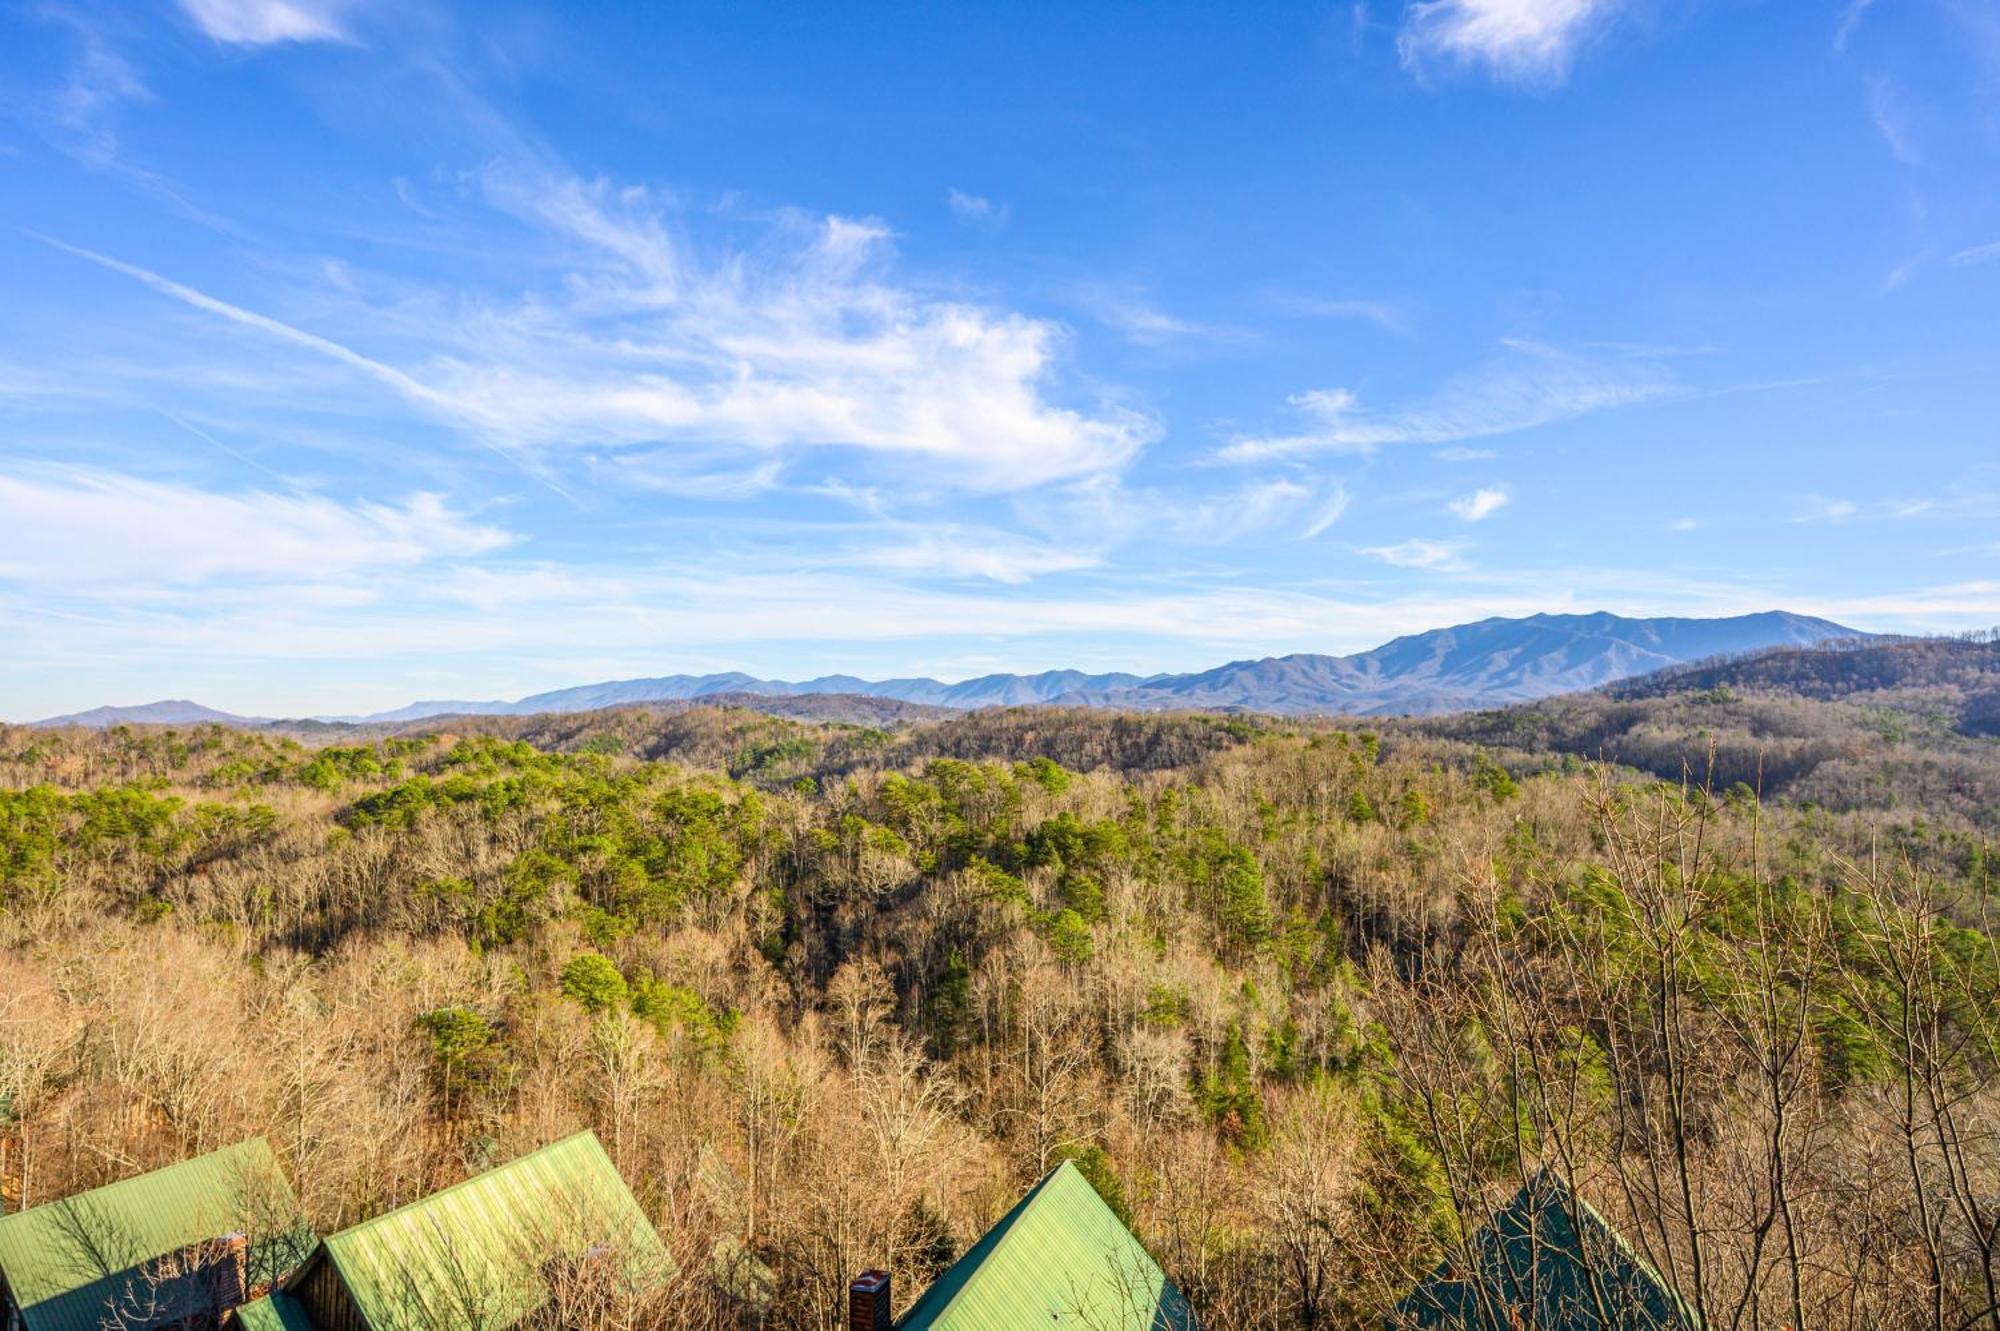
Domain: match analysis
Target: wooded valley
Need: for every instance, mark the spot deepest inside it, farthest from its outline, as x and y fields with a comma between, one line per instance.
x=1304, y=1000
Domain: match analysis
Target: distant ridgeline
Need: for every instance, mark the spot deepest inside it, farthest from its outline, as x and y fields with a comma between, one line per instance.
x=556, y=1239
x=1486, y=664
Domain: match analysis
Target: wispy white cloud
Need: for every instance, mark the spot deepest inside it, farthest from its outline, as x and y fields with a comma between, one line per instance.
x=1892, y=120
x=1686, y=525
x=1479, y=505
x=695, y=473
x=387, y=375
x=1460, y=453
x=1385, y=315
x=284, y=332
x=803, y=344
x=1930, y=609
x=1818, y=508
x=1851, y=15
x=66, y=526
x=80, y=112
x=954, y=551
x=1979, y=21
x=1967, y=503
x=1903, y=270
x=1522, y=41
x=1976, y=254
x=1142, y=321
x=1268, y=507
x=976, y=209
x=1419, y=553
x=264, y=22
x=1527, y=385
x=1109, y=513
x=1331, y=509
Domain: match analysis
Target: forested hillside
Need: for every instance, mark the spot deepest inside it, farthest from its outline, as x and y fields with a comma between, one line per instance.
x=1911, y=673
x=1303, y=1000
x=1904, y=729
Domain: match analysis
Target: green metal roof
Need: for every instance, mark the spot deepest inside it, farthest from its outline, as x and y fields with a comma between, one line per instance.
x=474, y=1255
x=1059, y=1258
x=273, y=1312
x=1547, y=1260
x=73, y=1263
x=738, y=1273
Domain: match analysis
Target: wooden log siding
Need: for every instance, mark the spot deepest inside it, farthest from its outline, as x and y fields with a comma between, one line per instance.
x=319, y=1290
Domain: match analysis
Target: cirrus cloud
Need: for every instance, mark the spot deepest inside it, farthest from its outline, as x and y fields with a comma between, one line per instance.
x=71, y=526
x=1526, y=384
x=1420, y=553
x=1522, y=41
x=803, y=343
x=264, y=22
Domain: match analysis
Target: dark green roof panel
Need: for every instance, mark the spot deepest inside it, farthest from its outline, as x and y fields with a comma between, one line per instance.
x=1546, y=1260
x=1060, y=1256
x=74, y=1263
x=273, y=1312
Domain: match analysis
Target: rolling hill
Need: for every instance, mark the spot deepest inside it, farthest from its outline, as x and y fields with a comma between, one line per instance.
x=1889, y=727
x=1964, y=672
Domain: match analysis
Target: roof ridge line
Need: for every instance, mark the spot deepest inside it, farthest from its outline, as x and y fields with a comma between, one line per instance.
x=447, y=1190
x=143, y=1174
x=1625, y=1247
x=1012, y=1219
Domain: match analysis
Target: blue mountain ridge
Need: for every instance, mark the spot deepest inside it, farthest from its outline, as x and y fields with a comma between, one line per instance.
x=1488, y=663
x=1485, y=664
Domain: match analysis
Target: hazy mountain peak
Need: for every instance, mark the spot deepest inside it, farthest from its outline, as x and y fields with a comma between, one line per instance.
x=166, y=712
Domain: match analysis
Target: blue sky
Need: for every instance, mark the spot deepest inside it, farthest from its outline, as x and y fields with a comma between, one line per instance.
x=354, y=352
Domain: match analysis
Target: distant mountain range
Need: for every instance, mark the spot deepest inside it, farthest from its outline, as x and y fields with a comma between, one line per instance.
x=1487, y=664
x=985, y=691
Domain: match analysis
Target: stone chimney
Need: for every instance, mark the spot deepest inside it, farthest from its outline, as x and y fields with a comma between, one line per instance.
x=868, y=1302
x=228, y=1271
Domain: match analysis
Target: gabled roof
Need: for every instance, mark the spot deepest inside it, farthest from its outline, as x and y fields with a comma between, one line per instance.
x=1059, y=1257
x=1547, y=1251
x=477, y=1253
x=71, y=1264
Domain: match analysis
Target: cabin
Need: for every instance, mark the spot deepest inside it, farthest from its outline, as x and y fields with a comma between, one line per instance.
x=1548, y=1260
x=483, y=1253
x=1060, y=1257
x=173, y=1250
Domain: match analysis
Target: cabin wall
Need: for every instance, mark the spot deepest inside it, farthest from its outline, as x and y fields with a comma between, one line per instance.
x=320, y=1292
